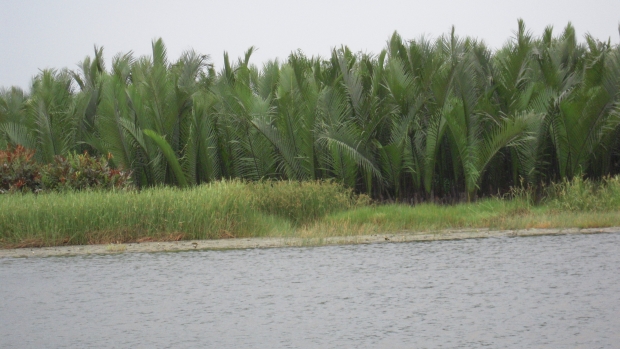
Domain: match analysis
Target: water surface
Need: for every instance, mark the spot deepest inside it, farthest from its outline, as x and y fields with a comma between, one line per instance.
x=536, y=292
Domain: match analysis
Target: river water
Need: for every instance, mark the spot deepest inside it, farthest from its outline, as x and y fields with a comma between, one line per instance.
x=536, y=292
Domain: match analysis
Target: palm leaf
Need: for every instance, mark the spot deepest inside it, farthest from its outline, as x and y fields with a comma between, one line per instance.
x=171, y=157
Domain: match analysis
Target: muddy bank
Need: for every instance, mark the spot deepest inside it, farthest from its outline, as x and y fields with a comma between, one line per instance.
x=289, y=241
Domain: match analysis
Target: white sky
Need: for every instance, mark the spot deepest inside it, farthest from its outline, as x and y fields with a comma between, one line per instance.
x=37, y=34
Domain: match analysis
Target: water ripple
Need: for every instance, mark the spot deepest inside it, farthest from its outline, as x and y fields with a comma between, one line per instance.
x=537, y=292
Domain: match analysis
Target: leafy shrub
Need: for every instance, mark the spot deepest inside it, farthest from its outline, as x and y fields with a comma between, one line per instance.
x=19, y=172
x=82, y=171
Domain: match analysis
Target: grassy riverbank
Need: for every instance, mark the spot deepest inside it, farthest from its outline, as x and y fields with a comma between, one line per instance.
x=281, y=209
x=215, y=211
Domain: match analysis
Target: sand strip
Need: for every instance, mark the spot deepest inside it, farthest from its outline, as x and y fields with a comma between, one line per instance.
x=245, y=243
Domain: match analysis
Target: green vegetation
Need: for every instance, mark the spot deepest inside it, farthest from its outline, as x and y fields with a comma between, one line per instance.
x=530, y=133
x=281, y=209
x=577, y=203
x=20, y=173
x=421, y=120
x=584, y=195
x=212, y=211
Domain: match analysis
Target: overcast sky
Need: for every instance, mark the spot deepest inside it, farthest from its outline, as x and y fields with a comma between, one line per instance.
x=38, y=34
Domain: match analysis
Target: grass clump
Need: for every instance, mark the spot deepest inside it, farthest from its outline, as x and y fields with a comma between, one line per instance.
x=581, y=194
x=227, y=209
x=423, y=217
x=302, y=202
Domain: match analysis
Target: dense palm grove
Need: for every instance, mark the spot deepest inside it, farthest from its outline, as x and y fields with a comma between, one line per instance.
x=444, y=118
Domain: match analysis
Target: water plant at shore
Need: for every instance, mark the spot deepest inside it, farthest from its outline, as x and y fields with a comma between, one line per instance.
x=423, y=119
x=225, y=209
x=313, y=209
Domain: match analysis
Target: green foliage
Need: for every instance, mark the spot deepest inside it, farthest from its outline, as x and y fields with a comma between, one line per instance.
x=580, y=194
x=313, y=209
x=302, y=202
x=173, y=162
x=223, y=209
x=428, y=217
x=82, y=172
x=423, y=119
x=20, y=173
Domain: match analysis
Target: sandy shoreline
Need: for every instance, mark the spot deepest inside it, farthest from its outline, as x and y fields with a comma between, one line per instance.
x=245, y=243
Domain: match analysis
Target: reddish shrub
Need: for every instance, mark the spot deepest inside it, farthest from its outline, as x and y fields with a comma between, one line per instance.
x=19, y=172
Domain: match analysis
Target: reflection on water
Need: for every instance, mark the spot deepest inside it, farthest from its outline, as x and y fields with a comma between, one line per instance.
x=539, y=292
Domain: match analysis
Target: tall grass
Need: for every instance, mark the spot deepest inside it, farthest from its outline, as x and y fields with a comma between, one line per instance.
x=581, y=194
x=576, y=203
x=237, y=209
x=423, y=217
x=302, y=202
x=219, y=210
